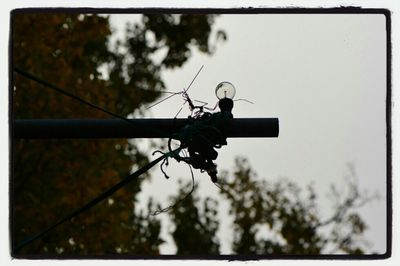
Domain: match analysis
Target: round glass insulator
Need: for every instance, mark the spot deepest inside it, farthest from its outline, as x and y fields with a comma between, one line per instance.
x=225, y=90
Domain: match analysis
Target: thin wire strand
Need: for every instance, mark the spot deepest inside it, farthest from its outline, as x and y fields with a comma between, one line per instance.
x=180, y=110
x=166, y=209
x=169, y=92
x=198, y=72
x=204, y=103
x=173, y=94
x=243, y=100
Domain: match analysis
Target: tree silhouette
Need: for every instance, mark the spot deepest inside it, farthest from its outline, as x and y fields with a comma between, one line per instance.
x=270, y=218
x=279, y=218
x=53, y=177
x=195, y=230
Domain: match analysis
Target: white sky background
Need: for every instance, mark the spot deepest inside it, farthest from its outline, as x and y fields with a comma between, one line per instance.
x=323, y=76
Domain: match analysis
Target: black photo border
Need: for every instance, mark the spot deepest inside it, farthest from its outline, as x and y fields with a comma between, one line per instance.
x=291, y=10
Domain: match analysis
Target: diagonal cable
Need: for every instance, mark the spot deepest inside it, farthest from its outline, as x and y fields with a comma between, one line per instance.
x=51, y=86
x=99, y=198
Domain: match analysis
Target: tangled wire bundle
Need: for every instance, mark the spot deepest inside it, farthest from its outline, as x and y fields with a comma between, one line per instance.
x=201, y=136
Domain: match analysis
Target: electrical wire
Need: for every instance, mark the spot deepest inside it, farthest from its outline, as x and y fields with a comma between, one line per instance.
x=64, y=92
x=96, y=200
x=166, y=209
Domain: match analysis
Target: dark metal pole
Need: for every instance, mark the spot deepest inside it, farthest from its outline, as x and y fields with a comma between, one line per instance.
x=137, y=128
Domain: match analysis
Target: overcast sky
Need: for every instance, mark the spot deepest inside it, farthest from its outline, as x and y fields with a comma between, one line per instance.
x=323, y=76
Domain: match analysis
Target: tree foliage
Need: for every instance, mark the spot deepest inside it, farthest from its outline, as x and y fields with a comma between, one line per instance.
x=281, y=218
x=51, y=178
x=271, y=218
x=195, y=228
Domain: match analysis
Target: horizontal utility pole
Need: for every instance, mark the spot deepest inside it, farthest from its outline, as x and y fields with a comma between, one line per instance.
x=135, y=128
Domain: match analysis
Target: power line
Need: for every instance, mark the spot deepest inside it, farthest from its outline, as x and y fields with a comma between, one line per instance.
x=99, y=198
x=54, y=87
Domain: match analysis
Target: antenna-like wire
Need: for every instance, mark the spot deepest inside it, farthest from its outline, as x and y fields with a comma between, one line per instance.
x=198, y=72
x=172, y=94
x=176, y=93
